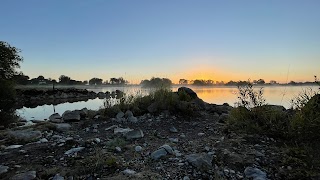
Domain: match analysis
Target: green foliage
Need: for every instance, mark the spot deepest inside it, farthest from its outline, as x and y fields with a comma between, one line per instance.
x=248, y=97
x=264, y=120
x=161, y=98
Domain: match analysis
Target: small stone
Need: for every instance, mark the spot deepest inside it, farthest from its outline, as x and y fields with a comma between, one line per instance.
x=73, y=150
x=186, y=178
x=95, y=130
x=118, y=149
x=158, y=154
x=129, y=172
x=289, y=168
x=43, y=140
x=200, y=134
x=255, y=173
x=13, y=146
x=58, y=177
x=97, y=140
x=173, y=129
x=174, y=140
x=138, y=148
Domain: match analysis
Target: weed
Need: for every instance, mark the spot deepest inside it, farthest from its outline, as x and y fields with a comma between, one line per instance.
x=248, y=97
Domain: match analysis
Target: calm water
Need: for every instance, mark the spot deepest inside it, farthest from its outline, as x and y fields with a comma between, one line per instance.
x=280, y=95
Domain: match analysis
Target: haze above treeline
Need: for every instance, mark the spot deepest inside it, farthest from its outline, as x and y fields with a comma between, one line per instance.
x=22, y=79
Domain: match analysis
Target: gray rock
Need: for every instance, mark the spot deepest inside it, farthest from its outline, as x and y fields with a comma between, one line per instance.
x=43, y=140
x=69, y=116
x=167, y=148
x=62, y=127
x=3, y=169
x=73, y=150
x=186, y=178
x=101, y=95
x=255, y=173
x=118, y=149
x=174, y=140
x=201, y=161
x=158, y=154
x=111, y=127
x=120, y=115
x=25, y=176
x=121, y=130
x=129, y=172
x=132, y=119
x=13, y=146
x=135, y=134
x=58, y=177
x=138, y=148
x=55, y=118
x=128, y=114
x=26, y=135
x=173, y=129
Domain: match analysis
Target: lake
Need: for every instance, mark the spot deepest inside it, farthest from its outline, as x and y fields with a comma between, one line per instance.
x=278, y=95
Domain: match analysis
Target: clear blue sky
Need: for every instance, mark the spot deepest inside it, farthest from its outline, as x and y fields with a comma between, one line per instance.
x=221, y=40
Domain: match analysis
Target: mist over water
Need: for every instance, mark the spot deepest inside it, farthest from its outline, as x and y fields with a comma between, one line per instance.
x=277, y=95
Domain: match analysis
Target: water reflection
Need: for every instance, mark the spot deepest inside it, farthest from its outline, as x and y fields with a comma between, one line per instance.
x=280, y=95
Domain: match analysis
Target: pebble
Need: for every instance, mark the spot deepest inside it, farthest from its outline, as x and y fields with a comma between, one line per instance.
x=138, y=148
x=118, y=149
x=200, y=134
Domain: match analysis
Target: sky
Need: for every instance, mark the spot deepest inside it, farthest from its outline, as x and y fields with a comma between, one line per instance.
x=138, y=39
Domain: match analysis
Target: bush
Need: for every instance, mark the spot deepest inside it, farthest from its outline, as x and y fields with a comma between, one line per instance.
x=248, y=97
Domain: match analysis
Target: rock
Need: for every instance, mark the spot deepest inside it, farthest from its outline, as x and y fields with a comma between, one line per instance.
x=73, y=150
x=27, y=135
x=13, y=146
x=3, y=169
x=97, y=140
x=188, y=91
x=62, y=127
x=128, y=114
x=25, y=176
x=173, y=129
x=70, y=116
x=152, y=108
x=43, y=140
x=111, y=127
x=186, y=178
x=167, y=148
x=201, y=161
x=55, y=118
x=132, y=119
x=158, y=154
x=138, y=148
x=37, y=121
x=118, y=149
x=174, y=140
x=200, y=134
x=120, y=115
x=255, y=173
x=121, y=130
x=58, y=177
x=135, y=134
x=129, y=172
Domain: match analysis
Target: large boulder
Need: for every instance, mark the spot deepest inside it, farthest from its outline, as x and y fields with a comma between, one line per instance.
x=56, y=118
x=188, y=91
x=69, y=116
x=255, y=173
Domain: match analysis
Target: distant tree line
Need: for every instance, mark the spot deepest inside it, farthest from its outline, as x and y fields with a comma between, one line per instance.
x=156, y=82
x=22, y=79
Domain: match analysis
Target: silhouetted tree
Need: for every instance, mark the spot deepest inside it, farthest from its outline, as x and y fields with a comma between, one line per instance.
x=21, y=79
x=183, y=81
x=64, y=79
x=95, y=81
x=261, y=81
x=9, y=61
x=156, y=82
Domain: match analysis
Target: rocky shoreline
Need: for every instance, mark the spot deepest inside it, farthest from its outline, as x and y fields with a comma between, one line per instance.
x=36, y=97
x=164, y=145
